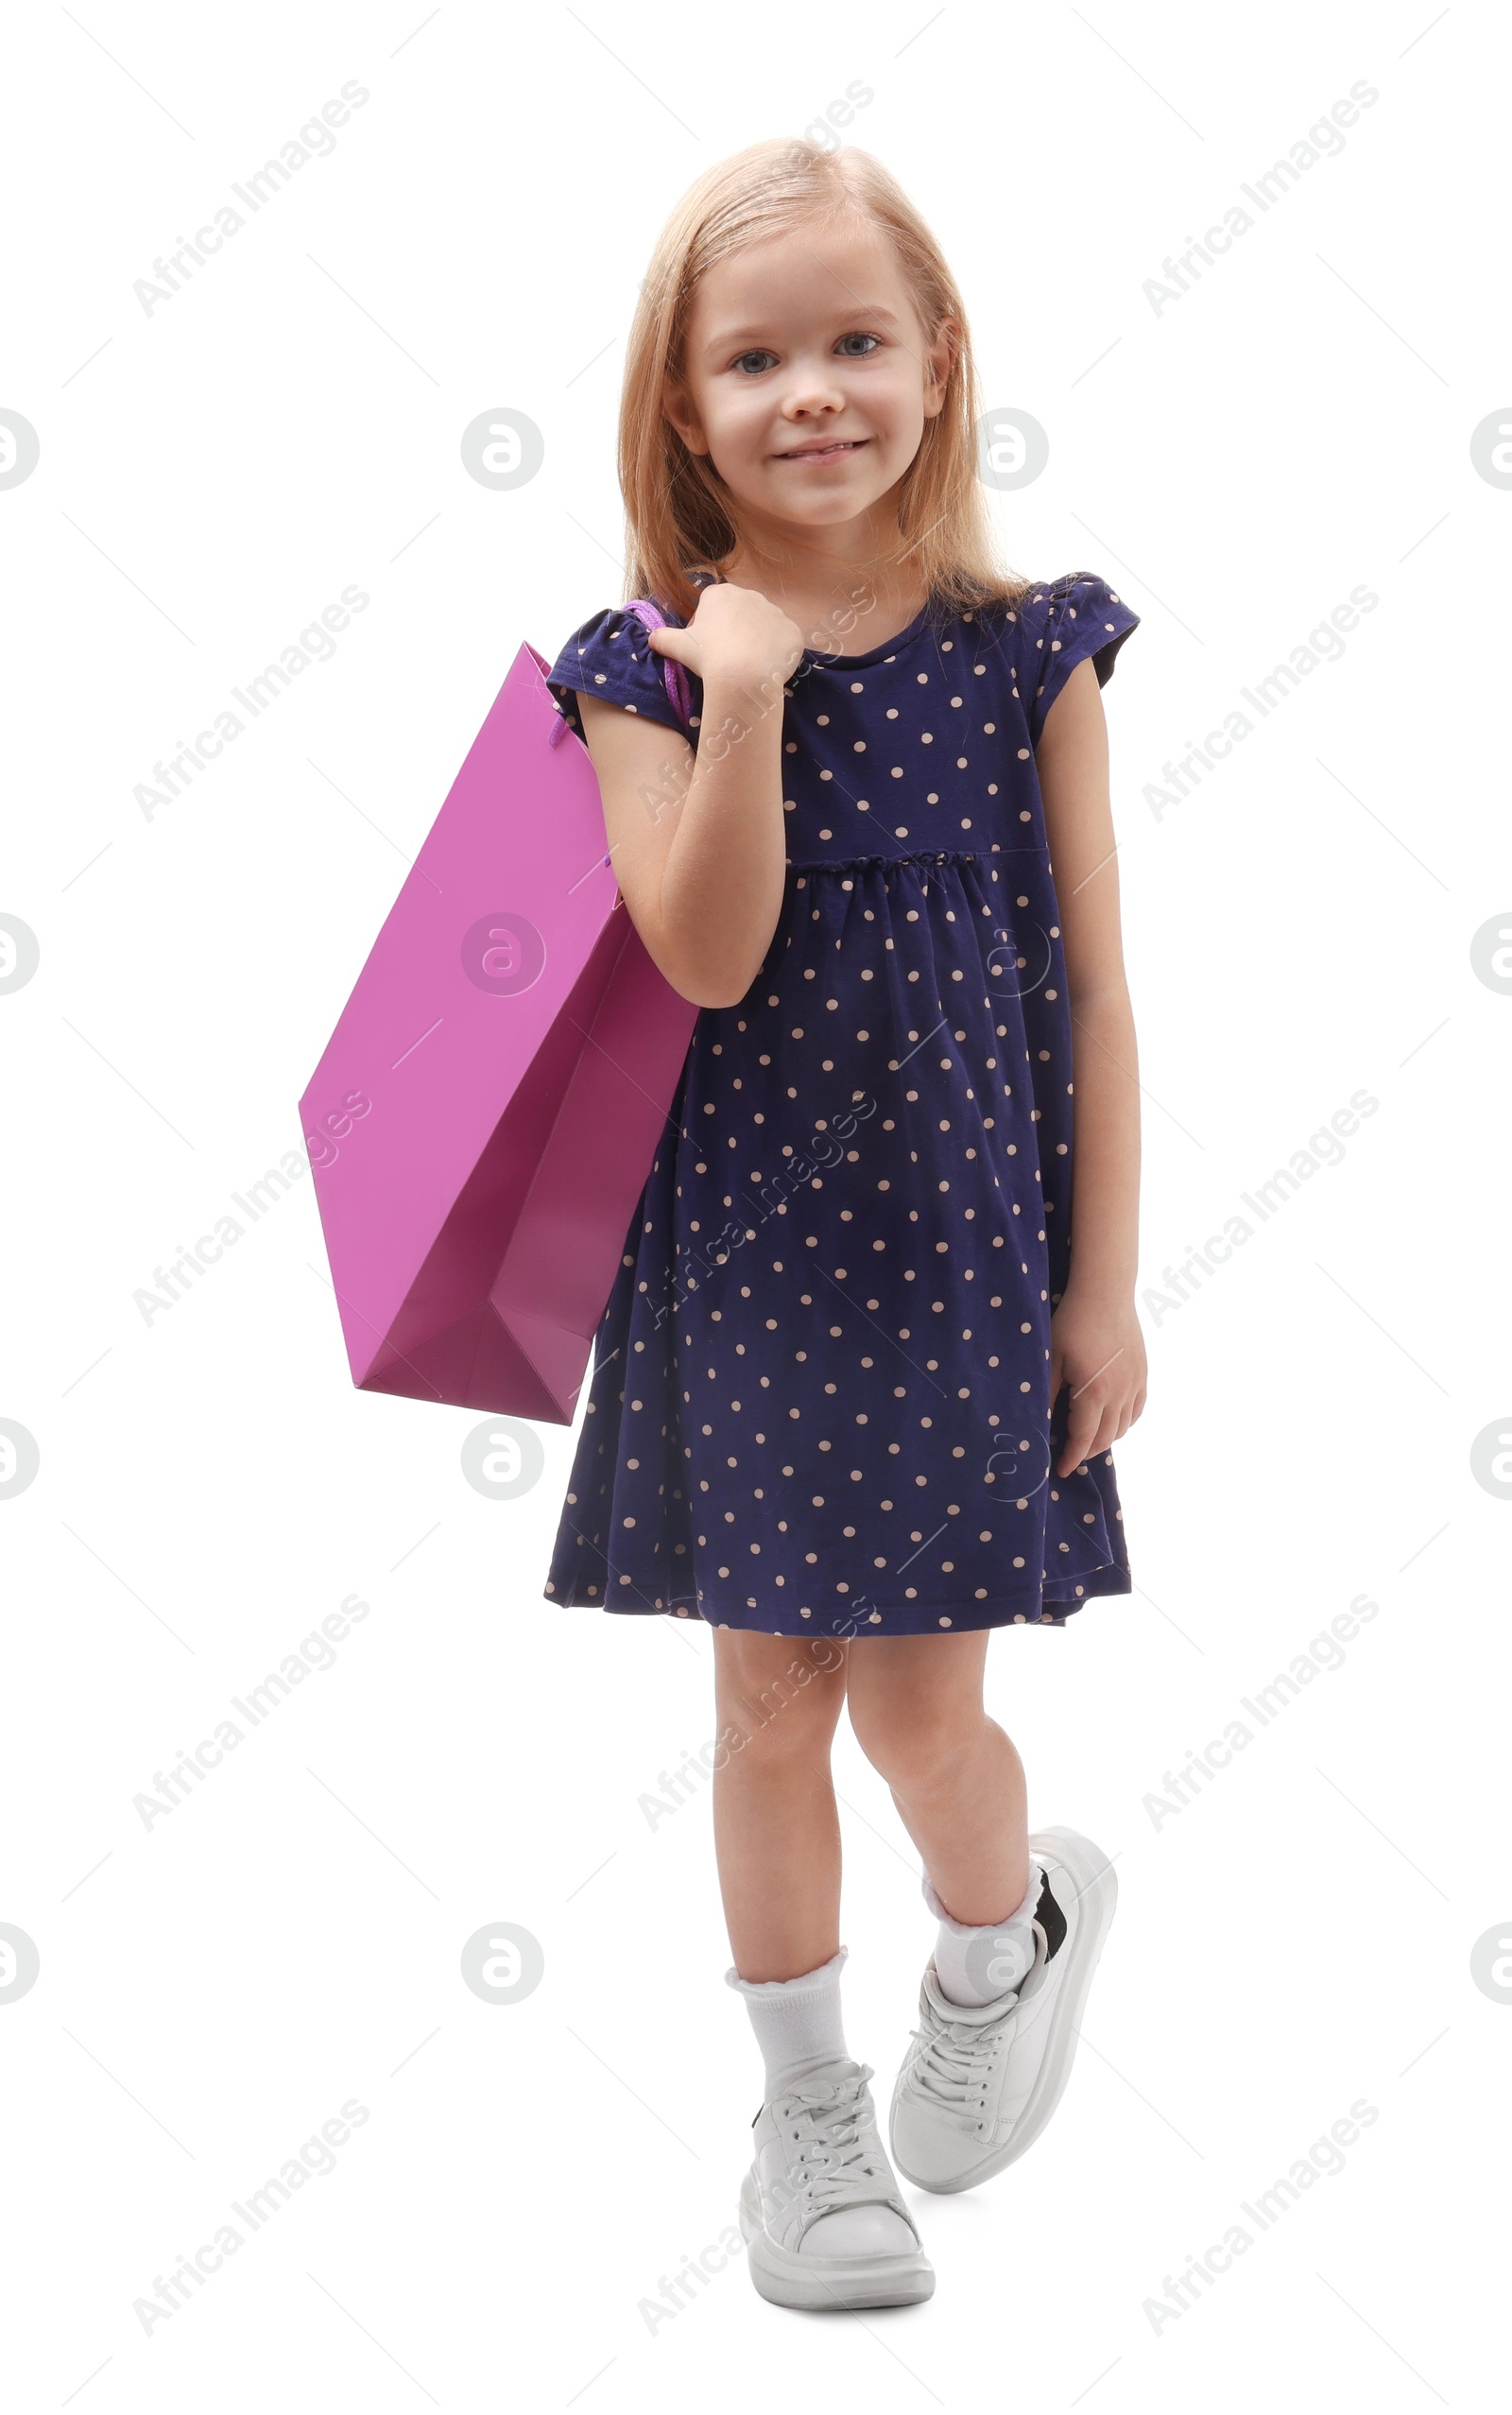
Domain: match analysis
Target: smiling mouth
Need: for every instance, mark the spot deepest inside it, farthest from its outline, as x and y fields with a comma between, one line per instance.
x=826, y=451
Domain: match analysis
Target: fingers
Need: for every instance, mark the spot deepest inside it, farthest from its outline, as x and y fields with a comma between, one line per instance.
x=1083, y=1417
x=1094, y=1424
x=1132, y=1410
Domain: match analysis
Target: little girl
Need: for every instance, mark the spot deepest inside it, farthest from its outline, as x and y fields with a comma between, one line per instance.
x=854, y=1391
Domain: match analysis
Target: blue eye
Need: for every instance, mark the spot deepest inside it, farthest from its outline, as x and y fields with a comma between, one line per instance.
x=856, y=335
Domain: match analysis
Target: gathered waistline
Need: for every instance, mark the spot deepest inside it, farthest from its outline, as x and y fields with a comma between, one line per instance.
x=924, y=855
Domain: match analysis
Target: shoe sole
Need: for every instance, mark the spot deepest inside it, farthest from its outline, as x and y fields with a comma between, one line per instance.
x=1097, y=1896
x=830, y=2283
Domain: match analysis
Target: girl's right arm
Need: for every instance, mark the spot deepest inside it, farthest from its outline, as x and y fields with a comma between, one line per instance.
x=697, y=842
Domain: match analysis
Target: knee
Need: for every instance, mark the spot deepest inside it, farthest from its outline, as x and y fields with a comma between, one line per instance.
x=777, y=1711
x=913, y=1745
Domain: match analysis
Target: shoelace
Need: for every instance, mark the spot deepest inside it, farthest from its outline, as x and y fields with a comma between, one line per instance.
x=835, y=2160
x=954, y=2058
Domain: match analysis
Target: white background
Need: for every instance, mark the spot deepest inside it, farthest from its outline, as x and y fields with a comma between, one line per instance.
x=211, y=1486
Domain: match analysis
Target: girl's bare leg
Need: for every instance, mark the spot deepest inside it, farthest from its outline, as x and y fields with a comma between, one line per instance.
x=777, y=1832
x=917, y=1710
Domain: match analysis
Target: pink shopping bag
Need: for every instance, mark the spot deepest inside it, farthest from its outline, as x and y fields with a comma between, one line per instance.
x=484, y=1118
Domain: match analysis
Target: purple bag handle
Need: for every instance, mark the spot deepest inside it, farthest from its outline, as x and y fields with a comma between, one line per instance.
x=676, y=678
x=679, y=693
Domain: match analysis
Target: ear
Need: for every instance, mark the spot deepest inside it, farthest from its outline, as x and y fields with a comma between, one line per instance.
x=676, y=407
x=938, y=361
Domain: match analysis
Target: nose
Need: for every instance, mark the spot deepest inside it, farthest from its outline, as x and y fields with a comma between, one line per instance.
x=813, y=387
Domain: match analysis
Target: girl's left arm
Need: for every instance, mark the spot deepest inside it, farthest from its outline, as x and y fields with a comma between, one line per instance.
x=1096, y=1347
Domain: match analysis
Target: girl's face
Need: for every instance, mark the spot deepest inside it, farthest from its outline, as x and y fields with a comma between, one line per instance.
x=808, y=380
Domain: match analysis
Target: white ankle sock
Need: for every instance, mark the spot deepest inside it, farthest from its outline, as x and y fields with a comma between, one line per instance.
x=977, y=1965
x=797, y=2021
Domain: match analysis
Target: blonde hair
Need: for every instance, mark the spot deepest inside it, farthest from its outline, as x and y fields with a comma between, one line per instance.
x=677, y=512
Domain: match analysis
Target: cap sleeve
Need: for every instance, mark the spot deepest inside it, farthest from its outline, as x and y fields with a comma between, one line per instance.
x=1061, y=625
x=610, y=656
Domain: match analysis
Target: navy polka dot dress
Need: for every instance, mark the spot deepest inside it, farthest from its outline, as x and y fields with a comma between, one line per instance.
x=821, y=1398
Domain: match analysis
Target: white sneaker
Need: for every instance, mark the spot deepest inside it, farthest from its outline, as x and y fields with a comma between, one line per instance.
x=980, y=2081
x=820, y=2211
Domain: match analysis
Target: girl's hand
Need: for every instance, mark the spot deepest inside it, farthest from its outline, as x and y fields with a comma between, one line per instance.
x=736, y=638
x=1096, y=1348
